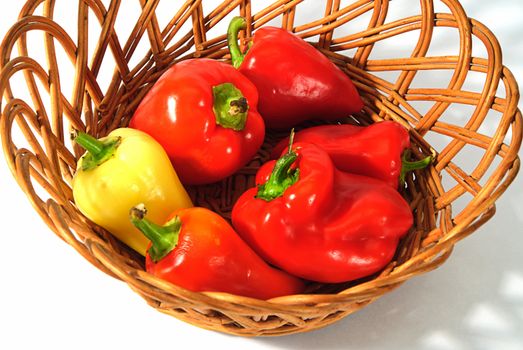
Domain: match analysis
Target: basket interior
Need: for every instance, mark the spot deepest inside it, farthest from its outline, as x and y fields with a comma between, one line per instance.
x=424, y=65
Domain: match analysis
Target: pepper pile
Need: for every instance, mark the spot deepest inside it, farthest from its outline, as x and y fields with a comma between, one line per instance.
x=325, y=208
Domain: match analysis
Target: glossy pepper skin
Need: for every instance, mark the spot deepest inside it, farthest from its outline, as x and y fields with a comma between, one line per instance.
x=378, y=150
x=319, y=223
x=203, y=112
x=198, y=250
x=120, y=170
x=295, y=81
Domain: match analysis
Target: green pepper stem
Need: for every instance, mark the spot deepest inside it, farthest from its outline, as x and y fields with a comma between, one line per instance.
x=98, y=151
x=91, y=144
x=237, y=23
x=230, y=106
x=163, y=238
x=282, y=176
x=407, y=165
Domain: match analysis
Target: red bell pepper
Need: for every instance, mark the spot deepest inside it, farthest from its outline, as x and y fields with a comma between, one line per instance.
x=379, y=150
x=295, y=81
x=319, y=223
x=198, y=250
x=203, y=112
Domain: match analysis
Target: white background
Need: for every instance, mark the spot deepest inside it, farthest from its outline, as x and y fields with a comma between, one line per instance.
x=51, y=298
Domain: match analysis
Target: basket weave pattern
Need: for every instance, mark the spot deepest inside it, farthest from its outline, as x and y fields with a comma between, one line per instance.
x=44, y=160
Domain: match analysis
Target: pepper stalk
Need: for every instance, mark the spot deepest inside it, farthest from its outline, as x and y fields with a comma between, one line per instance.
x=237, y=23
x=407, y=165
x=282, y=176
x=97, y=150
x=163, y=238
x=230, y=106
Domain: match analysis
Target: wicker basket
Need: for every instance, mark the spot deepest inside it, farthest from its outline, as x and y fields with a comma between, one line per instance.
x=112, y=71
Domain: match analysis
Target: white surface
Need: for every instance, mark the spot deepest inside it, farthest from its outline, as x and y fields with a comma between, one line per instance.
x=51, y=298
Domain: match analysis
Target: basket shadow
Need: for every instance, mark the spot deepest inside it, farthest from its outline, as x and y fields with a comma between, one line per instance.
x=474, y=300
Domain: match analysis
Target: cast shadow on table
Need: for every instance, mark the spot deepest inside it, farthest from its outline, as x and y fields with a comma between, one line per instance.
x=473, y=301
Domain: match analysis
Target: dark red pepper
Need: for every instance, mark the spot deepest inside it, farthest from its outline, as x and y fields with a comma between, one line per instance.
x=198, y=250
x=319, y=223
x=379, y=150
x=295, y=81
x=203, y=112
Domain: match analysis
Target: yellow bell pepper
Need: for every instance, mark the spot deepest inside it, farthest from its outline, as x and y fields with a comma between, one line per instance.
x=119, y=171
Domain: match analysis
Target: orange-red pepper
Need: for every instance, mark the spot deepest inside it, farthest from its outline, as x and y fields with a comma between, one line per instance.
x=198, y=250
